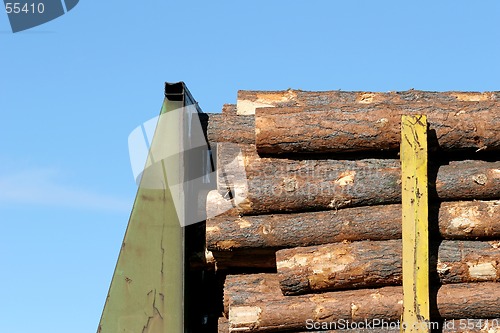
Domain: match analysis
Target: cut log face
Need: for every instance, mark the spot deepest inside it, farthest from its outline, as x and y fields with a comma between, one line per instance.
x=375, y=127
x=262, y=312
x=249, y=101
x=374, y=264
x=456, y=220
x=287, y=185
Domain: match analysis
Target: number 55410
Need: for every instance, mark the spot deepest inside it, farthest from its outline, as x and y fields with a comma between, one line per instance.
x=16, y=8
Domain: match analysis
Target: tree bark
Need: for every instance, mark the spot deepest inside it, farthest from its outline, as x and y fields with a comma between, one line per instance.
x=240, y=290
x=286, y=185
x=228, y=127
x=249, y=100
x=470, y=220
x=468, y=300
x=375, y=264
x=273, y=312
x=456, y=220
x=375, y=127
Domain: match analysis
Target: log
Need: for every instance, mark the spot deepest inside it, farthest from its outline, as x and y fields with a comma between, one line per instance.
x=244, y=289
x=479, y=300
x=378, y=263
x=229, y=232
x=228, y=127
x=470, y=126
x=272, y=312
x=470, y=220
x=456, y=220
x=286, y=185
x=249, y=100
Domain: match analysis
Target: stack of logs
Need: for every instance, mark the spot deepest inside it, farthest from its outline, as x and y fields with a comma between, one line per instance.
x=306, y=218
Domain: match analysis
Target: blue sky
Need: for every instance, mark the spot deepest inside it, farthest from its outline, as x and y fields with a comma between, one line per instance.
x=73, y=89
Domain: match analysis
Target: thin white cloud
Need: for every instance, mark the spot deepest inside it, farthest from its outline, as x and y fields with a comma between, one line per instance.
x=42, y=187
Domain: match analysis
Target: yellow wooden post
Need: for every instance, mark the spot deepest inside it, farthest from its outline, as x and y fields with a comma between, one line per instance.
x=416, y=317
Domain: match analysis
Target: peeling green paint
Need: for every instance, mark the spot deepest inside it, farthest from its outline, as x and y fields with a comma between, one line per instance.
x=147, y=289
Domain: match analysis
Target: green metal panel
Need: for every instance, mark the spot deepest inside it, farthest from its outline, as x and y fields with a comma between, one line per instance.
x=147, y=290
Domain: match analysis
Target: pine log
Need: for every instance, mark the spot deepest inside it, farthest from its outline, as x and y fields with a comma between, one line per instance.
x=272, y=312
x=228, y=127
x=469, y=300
x=249, y=100
x=217, y=205
x=285, y=185
x=244, y=290
x=470, y=220
x=456, y=220
x=338, y=128
x=229, y=232
x=378, y=263
x=240, y=290
x=251, y=241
